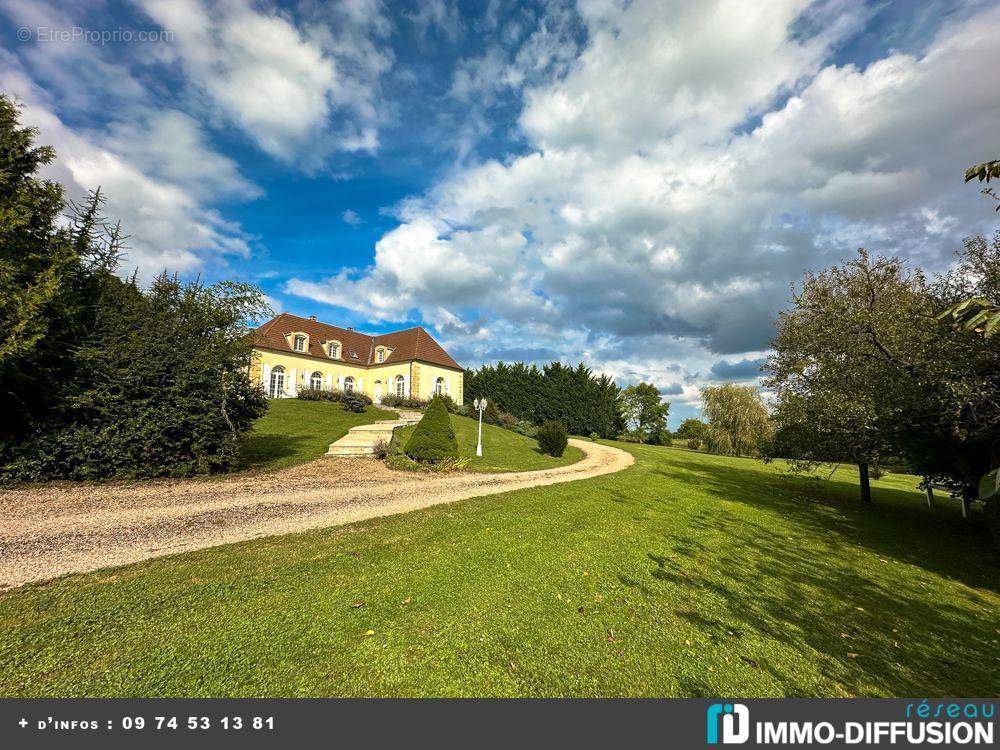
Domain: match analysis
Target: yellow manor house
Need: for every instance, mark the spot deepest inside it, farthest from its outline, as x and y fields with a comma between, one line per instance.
x=292, y=353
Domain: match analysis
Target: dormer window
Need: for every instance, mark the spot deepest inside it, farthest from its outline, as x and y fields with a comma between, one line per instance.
x=299, y=343
x=352, y=354
x=333, y=348
x=380, y=355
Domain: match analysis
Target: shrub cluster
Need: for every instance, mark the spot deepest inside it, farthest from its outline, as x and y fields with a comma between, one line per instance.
x=159, y=388
x=381, y=450
x=355, y=402
x=351, y=400
x=433, y=440
x=320, y=394
x=552, y=438
x=582, y=401
x=403, y=402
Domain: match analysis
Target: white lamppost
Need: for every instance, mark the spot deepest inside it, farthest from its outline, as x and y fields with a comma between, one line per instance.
x=480, y=404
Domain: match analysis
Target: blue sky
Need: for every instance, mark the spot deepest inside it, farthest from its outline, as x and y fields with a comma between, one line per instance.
x=633, y=184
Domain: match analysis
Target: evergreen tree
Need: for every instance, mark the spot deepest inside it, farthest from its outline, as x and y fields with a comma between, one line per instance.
x=99, y=377
x=574, y=396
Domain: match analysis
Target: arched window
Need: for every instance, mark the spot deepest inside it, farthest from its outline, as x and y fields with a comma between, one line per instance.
x=348, y=384
x=400, y=386
x=316, y=380
x=276, y=388
x=439, y=386
x=299, y=343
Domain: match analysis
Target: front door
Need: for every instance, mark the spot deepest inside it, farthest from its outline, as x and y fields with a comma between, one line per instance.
x=378, y=391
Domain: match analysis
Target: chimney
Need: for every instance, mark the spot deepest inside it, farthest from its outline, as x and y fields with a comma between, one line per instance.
x=350, y=328
x=312, y=317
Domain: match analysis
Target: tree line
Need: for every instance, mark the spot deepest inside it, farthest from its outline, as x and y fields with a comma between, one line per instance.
x=583, y=402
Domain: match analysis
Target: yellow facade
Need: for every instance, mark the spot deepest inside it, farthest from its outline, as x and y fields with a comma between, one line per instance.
x=425, y=377
x=419, y=379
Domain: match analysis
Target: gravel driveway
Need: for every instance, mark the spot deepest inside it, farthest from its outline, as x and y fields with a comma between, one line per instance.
x=72, y=528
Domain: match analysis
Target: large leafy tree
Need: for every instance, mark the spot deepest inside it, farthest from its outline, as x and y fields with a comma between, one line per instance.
x=860, y=368
x=692, y=429
x=646, y=412
x=829, y=405
x=738, y=421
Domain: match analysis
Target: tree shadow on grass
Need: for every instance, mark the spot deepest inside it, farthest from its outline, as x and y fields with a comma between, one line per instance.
x=259, y=450
x=888, y=634
x=897, y=523
x=891, y=630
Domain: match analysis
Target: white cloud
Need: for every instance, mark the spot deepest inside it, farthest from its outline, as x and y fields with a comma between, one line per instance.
x=168, y=226
x=283, y=84
x=351, y=217
x=687, y=168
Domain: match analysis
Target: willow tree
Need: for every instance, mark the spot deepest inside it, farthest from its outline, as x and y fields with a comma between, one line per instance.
x=738, y=422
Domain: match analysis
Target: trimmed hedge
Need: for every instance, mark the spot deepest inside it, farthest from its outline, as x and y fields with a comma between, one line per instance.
x=552, y=438
x=404, y=402
x=434, y=438
x=320, y=394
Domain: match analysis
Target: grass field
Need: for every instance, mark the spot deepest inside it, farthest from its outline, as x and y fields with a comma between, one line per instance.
x=294, y=431
x=686, y=574
x=503, y=450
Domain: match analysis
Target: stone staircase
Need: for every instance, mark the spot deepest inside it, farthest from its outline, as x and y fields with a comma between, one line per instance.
x=360, y=440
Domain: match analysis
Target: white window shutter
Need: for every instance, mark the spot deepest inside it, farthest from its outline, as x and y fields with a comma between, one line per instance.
x=340, y=382
x=359, y=386
x=266, y=376
x=447, y=386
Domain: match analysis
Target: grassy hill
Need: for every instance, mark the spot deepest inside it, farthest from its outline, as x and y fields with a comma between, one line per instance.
x=295, y=431
x=503, y=450
x=686, y=574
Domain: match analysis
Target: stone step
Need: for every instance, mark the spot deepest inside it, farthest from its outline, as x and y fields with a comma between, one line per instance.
x=343, y=452
x=360, y=440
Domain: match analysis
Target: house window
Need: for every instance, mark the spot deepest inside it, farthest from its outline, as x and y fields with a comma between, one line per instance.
x=348, y=384
x=439, y=386
x=299, y=344
x=352, y=354
x=400, y=386
x=380, y=356
x=316, y=380
x=277, y=385
x=334, y=350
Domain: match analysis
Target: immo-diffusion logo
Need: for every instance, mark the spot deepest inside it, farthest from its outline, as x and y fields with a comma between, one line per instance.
x=735, y=721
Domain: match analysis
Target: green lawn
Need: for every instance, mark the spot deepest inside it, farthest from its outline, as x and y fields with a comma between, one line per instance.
x=503, y=450
x=295, y=431
x=686, y=574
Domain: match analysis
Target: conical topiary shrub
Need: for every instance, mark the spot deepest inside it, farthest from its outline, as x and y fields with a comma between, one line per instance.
x=434, y=439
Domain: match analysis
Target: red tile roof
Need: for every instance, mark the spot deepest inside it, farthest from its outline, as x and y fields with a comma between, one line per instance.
x=413, y=343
